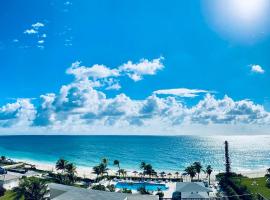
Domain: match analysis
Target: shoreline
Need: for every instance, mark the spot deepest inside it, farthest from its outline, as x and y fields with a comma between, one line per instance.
x=86, y=172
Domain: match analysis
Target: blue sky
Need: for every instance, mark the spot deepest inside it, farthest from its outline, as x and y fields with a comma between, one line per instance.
x=193, y=47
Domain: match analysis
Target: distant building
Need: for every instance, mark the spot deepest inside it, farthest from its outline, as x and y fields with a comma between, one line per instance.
x=191, y=191
x=64, y=192
x=9, y=181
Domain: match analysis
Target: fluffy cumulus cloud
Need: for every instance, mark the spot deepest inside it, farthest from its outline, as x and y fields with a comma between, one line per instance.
x=257, y=69
x=145, y=67
x=20, y=113
x=83, y=107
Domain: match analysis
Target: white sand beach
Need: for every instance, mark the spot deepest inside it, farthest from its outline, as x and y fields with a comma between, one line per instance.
x=86, y=172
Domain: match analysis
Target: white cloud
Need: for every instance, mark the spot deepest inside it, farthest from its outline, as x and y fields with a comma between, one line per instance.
x=79, y=107
x=257, y=69
x=112, y=84
x=181, y=92
x=38, y=25
x=30, y=31
x=41, y=41
x=36, y=33
x=145, y=67
x=20, y=113
x=96, y=71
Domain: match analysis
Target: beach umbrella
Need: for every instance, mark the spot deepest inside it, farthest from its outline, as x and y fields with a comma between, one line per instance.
x=135, y=172
x=177, y=174
x=162, y=174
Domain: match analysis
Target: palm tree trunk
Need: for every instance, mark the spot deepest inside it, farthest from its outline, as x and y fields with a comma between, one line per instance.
x=208, y=179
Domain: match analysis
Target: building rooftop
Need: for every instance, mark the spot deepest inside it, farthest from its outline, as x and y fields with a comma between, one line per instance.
x=64, y=192
x=194, y=187
x=8, y=177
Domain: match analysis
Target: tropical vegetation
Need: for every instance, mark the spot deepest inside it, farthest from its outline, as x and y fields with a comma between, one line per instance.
x=68, y=172
x=32, y=189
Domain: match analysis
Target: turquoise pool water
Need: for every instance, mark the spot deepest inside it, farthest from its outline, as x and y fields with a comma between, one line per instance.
x=136, y=186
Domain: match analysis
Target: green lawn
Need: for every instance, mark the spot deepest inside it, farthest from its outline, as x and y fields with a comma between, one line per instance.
x=9, y=195
x=257, y=185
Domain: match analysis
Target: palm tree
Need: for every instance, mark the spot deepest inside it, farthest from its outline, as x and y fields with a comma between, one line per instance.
x=209, y=170
x=162, y=174
x=117, y=163
x=71, y=171
x=33, y=189
x=142, y=166
x=105, y=161
x=122, y=171
x=71, y=168
x=191, y=171
x=198, y=168
x=61, y=164
x=96, y=170
x=3, y=158
x=169, y=175
x=148, y=170
x=177, y=174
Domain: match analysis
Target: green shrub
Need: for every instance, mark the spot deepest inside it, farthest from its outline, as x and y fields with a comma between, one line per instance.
x=125, y=190
x=2, y=191
x=267, y=184
x=111, y=188
x=99, y=187
x=160, y=194
x=142, y=190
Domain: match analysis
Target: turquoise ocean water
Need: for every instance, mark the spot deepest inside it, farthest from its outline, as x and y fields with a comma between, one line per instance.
x=164, y=153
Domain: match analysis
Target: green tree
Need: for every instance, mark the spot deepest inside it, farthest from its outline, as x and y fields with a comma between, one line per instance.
x=209, y=170
x=117, y=163
x=162, y=174
x=147, y=169
x=99, y=187
x=96, y=170
x=198, y=168
x=177, y=174
x=71, y=172
x=111, y=188
x=61, y=164
x=105, y=161
x=32, y=189
x=3, y=158
x=191, y=171
x=142, y=165
x=122, y=172
x=100, y=169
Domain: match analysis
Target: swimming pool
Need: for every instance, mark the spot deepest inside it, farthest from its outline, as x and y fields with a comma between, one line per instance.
x=136, y=186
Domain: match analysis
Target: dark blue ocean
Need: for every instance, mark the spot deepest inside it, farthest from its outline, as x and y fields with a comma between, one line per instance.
x=163, y=152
